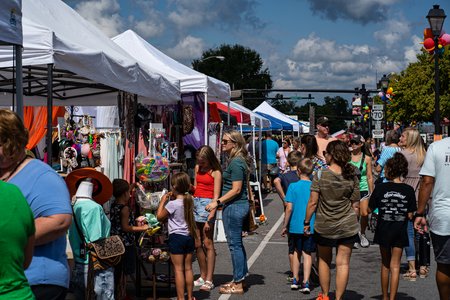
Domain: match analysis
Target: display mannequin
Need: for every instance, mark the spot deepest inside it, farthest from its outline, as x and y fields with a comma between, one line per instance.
x=85, y=189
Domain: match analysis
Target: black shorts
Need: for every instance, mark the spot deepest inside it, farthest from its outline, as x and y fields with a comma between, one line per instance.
x=301, y=242
x=323, y=241
x=441, y=247
x=181, y=244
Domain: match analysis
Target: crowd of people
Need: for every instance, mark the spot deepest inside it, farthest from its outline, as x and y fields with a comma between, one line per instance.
x=328, y=188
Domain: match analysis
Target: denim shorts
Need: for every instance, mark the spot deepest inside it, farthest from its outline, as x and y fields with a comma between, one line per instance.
x=300, y=242
x=181, y=244
x=200, y=213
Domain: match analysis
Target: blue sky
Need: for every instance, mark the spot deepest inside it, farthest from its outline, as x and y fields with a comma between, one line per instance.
x=332, y=44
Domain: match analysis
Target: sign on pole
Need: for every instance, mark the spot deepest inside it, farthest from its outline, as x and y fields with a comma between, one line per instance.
x=377, y=115
x=377, y=133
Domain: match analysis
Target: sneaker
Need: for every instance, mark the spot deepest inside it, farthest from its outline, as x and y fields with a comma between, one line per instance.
x=294, y=285
x=322, y=297
x=199, y=282
x=305, y=288
x=356, y=246
x=364, y=242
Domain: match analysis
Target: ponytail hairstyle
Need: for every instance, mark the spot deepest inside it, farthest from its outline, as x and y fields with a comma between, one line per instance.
x=181, y=185
x=207, y=153
x=341, y=156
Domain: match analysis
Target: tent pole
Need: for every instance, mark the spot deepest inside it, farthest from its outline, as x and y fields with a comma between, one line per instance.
x=228, y=117
x=206, y=118
x=19, y=81
x=260, y=152
x=49, y=112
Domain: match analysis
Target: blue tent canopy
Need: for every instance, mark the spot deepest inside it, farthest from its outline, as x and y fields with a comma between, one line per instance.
x=276, y=123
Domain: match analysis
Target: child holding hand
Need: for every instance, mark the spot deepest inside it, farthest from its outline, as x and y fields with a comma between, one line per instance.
x=302, y=242
x=396, y=203
x=182, y=231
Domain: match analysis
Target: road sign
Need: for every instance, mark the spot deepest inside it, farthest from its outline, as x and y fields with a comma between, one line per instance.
x=377, y=115
x=377, y=124
x=377, y=107
x=377, y=133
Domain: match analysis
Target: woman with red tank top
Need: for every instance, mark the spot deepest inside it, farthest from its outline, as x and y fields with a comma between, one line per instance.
x=208, y=186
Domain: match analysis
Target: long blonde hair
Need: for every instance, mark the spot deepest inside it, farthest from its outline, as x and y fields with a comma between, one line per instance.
x=239, y=149
x=415, y=144
x=181, y=185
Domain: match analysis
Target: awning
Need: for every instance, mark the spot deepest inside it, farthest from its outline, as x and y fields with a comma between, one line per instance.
x=240, y=116
x=277, y=124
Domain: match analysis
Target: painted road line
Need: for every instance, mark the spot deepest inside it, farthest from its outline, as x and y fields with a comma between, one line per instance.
x=259, y=250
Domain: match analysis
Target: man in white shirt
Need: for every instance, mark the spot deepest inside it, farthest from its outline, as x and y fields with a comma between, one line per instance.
x=323, y=136
x=435, y=172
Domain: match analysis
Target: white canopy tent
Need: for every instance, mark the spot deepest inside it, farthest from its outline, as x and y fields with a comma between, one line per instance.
x=11, y=33
x=91, y=68
x=266, y=108
x=256, y=120
x=157, y=61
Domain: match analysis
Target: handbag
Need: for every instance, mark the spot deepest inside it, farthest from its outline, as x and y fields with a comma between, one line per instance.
x=103, y=253
x=106, y=252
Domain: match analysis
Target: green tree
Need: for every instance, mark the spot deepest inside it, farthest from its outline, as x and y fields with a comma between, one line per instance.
x=242, y=68
x=414, y=90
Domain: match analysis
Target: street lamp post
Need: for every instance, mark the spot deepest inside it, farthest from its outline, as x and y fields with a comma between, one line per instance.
x=436, y=17
x=384, y=84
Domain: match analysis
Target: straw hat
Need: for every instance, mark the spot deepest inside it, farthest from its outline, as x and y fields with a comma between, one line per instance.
x=102, y=185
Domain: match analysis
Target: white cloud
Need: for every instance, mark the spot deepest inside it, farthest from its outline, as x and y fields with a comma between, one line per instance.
x=188, y=48
x=393, y=32
x=104, y=14
x=148, y=28
x=412, y=50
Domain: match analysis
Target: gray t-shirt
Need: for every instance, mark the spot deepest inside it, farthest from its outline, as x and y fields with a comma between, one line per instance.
x=437, y=165
x=177, y=223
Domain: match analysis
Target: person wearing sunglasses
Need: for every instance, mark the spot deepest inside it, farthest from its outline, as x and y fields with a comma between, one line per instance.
x=323, y=135
x=235, y=201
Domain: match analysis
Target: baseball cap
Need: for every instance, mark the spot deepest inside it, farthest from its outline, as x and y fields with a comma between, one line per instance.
x=323, y=121
x=357, y=139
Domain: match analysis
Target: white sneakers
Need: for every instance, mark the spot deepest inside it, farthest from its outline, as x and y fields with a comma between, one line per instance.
x=364, y=242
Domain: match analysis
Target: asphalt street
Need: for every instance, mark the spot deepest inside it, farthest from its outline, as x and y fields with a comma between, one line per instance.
x=268, y=268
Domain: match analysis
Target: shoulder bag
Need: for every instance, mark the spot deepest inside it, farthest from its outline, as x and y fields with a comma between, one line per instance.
x=104, y=253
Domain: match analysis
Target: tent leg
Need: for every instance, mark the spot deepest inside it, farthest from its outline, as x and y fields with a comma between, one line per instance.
x=49, y=112
x=19, y=81
x=206, y=118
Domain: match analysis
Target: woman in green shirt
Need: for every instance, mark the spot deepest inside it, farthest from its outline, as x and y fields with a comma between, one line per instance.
x=17, y=240
x=235, y=206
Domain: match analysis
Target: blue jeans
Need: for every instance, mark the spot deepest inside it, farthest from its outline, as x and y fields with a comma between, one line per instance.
x=411, y=249
x=103, y=282
x=233, y=216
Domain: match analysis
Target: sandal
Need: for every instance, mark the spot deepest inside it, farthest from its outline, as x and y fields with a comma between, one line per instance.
x=207, y=286
x=231, y=289
x=410, y=275
x=424, y=271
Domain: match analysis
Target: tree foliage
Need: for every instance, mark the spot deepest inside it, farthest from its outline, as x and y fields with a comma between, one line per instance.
x=242, y=68
x=414, y=90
